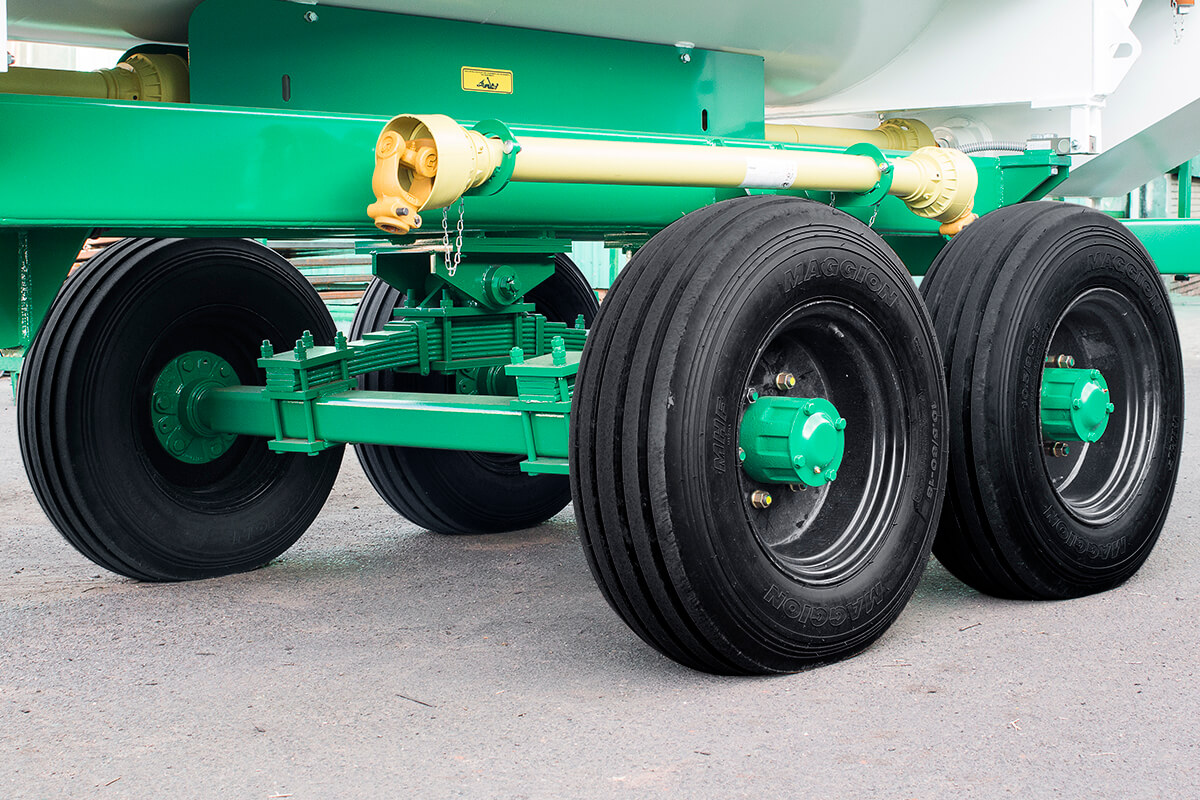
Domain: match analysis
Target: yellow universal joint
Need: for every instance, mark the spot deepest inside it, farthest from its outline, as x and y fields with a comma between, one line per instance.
x=938, y=183
x=426, y=161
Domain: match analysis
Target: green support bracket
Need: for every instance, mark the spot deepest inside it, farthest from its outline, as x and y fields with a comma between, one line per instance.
x=1185, y=190
x=298, y=378
x=544, y=386
x=33, y=264
x=1075, y=404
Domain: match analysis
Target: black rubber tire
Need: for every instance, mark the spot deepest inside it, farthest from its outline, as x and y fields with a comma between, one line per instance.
x=1002, y=294
x=84, y=400
x=455, y=491
x=661, y=505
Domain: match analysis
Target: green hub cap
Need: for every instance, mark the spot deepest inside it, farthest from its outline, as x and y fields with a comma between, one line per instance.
x=173, y=406
x=1075, y=404
x=792, y=440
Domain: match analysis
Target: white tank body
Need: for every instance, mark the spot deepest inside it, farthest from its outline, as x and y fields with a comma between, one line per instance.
x=812, y=48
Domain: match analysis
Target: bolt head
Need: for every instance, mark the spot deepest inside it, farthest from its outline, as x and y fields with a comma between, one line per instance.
x=686, y=58
x=831, y=475
x=752, y=395
x=798, y=462
x=1110, y=408
x=310, y=16
x=1076, y=404
x=809, y=409
x=785, y=381
x=760, y=499
x=840, y=424
x=741, y=454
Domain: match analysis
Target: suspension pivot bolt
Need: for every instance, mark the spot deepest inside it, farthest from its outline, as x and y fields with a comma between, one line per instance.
x=760, y=499
x=785, y=381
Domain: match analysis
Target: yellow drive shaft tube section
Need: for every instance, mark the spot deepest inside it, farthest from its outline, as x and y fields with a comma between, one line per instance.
x=892, y=134
x=430, y=161
x=157, y=77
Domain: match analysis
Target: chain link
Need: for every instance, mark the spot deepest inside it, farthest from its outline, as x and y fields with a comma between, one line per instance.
x=874, y=214
x=453, y=256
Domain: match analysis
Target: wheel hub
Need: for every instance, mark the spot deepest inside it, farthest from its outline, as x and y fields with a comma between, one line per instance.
x=1075, y=404
x=177, y=391
x=792, y=440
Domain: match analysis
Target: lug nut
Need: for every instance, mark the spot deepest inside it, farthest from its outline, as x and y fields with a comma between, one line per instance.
x=760, y=499
x=1060, y=361
x=1058, y=449
x=785, y=381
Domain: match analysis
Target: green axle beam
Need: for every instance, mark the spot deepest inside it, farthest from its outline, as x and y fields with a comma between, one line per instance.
x=444, y=421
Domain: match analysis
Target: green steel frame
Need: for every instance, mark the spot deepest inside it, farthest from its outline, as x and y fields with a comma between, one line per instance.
x=280, y=143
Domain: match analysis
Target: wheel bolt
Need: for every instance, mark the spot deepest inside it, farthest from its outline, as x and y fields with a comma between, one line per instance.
x=1060, y=361
x=1058, y=449
x=785, y=381
x=760, y=499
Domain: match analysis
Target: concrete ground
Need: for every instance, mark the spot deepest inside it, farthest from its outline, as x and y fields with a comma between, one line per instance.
x=377, y=660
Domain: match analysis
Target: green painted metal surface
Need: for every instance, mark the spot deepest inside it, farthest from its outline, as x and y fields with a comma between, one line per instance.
x=455, y=422
x=1075, y=404
x=1172, y=243
x=173, y=406
x=792, y=439
x=367, y=62
x=33, y=264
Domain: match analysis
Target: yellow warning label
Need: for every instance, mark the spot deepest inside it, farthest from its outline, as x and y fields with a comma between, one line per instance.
x=477, y=79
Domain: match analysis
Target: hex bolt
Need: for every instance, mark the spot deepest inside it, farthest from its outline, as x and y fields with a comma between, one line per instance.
x=558, y=351
x=1095, y=374
x=516, y=356
x=1058, y=449
x=161, y=403
x=741, y=454
x=267, y=348
x=751, y=395
x=580, y=323
x=798, y=462
x=840, y=424
x=760, y=499
x=310, y=16
x=686, y=58
x=339, y=341
x=785, y=381
x=1060, y=361
x=308, y=339
x=809, y=409
x=1076, y=404
x=1110, y=408
x=831, y=475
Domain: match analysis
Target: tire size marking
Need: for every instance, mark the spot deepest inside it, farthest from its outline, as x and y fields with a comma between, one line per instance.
x=720, y=436
x=832, y=267
x=1081, y=545
x=818, y=616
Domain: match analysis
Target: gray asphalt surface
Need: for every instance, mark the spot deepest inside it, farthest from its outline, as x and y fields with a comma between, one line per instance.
x=377, y=660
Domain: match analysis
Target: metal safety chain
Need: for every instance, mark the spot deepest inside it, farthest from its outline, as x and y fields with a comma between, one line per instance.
x=453, y=257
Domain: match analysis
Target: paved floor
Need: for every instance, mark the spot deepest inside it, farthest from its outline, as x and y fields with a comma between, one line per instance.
x=376, y=660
